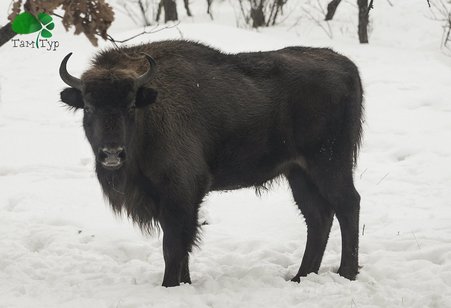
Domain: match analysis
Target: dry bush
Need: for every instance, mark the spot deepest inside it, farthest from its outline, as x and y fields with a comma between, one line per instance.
x=93, y=18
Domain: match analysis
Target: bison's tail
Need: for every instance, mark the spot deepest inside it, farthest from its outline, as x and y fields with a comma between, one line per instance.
x=356, y=119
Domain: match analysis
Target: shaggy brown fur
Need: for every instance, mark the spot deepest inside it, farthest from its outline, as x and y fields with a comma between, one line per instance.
x=213, y=121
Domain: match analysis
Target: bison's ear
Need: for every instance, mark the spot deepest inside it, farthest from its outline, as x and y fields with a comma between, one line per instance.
x=72, y=97
x=145, y=97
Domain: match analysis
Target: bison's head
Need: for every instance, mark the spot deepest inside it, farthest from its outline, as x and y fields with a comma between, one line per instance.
x=110, y=100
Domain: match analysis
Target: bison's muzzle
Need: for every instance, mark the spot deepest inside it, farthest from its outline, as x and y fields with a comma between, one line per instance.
x=111, y=158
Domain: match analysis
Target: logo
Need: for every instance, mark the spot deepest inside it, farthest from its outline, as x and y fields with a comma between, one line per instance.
x=27, y=23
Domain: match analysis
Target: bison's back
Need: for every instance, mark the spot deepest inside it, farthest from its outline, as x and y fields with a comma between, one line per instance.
x=247, y=114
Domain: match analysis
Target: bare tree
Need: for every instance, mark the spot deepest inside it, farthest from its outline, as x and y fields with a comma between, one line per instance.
x=262, y=13
x=138, y=10
x=364, y=9
x=276, y=8
x=170, y=10
x=257, y=13
x=144, y=9
x=6, y=33
x=331, y=8
x=209, y=2
x=93, y=18
x=363, y=21
x=188, y=11
x=160, y=9
x=441, y=12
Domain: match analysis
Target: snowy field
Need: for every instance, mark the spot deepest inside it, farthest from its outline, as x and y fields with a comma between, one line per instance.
x=61, y=246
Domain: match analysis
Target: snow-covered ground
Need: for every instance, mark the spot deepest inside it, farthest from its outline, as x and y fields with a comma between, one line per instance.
x=60, y=245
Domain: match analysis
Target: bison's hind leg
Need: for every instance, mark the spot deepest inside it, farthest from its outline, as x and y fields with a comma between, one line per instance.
x=318, y=216
x=333, y=178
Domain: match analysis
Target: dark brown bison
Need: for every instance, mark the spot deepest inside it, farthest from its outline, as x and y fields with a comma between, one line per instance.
x=165, y=135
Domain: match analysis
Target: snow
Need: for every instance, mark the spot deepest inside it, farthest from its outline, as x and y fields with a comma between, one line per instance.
x=61, y=246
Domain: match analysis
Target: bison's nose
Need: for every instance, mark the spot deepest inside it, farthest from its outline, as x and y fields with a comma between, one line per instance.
x=111, y=157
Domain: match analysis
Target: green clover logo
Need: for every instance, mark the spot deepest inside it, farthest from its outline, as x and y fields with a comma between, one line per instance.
x=26, y=23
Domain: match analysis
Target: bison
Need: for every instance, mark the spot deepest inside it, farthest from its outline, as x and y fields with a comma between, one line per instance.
x=166, y=135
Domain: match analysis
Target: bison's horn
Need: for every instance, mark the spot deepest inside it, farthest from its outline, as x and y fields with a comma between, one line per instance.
x=66, y=77
x=147, y=76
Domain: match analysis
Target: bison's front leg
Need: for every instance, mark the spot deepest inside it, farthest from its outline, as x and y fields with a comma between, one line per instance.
x=179, y=224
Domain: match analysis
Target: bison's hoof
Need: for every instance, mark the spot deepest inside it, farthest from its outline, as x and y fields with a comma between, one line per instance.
x=347, y=272
x=186, y=280
x=170, y=284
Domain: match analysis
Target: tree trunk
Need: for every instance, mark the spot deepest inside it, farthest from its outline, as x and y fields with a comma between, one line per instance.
x=160, y=7
x=209, y=6
x=143, y=12
x=188, y=11
x=170, y=10
x=258, y=16
x=363, y=21
x=6, y=33
x=271, y=13
x=279, y=8
x=331, y=8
